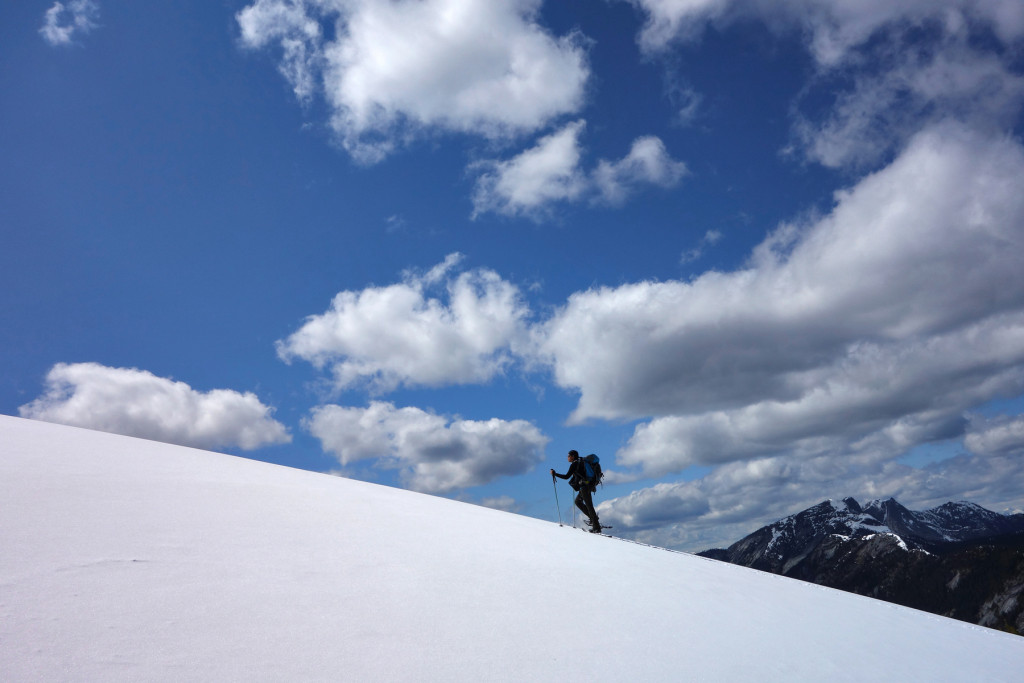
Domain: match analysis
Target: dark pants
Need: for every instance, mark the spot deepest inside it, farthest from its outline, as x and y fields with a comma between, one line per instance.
x=586, y=503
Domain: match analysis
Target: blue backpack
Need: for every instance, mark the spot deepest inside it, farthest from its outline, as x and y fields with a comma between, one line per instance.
x=592, y=474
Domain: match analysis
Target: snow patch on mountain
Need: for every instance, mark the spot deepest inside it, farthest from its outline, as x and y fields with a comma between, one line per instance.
x=899, y=541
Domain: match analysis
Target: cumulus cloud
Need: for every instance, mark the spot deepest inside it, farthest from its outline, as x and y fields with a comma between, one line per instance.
x=62, y=23
x=657, y=506
x=532, y=182
x=393, y=70
x=891, y=315
x=833, y=28
x=999, y=436
x=433, y=454
x=910, y=85
x=670, y=20
x=137, y=403
x=298, y=34
x=400, y=334
x=910, y=64
x=648, y=162
x=886, y=398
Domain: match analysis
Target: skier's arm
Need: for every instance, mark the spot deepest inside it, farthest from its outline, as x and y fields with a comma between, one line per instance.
x=572, y=471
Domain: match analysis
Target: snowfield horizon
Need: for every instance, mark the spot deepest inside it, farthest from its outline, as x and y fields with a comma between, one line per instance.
x=126, y=559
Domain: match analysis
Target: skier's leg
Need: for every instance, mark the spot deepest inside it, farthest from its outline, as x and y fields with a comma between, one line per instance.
x=588, y=507
x=581, y=503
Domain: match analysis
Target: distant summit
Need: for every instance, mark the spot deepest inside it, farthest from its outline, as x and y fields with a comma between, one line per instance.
x=949, y=523
x=958, y=559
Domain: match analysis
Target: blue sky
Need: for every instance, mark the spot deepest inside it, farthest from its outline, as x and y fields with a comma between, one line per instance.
x=752, y=254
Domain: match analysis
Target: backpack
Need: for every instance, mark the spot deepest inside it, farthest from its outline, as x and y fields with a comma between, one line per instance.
x=592, y=474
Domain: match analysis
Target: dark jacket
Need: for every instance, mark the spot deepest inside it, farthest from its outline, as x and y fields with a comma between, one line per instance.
x=575, y=475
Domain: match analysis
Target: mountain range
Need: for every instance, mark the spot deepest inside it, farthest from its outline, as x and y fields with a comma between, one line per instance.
x=959, y=559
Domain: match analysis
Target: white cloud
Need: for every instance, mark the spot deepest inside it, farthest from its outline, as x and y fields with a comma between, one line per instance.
x=433, y=454
x=550, y=172
x=687, y=101
x=503, y=503
x=648, y=162
x=877, y=397
x=137, y=403
x=833, y=27
x=299, y=35
x=529, y=182
x=711, y=237
x=400, y=335
x=883, y=320
x=62, y=23
x=392, y=70
x=999, y=436
x=838, y=27
x=910, y=63
x=908, y=87
x=669, y=20
x=657, y=506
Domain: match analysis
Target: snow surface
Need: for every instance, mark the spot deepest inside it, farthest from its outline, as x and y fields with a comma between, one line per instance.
x=125, y=559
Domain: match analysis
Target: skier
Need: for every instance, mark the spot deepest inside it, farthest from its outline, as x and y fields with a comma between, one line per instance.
x=581, y=484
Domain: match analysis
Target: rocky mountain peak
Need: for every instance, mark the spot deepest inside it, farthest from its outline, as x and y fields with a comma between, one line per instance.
x=852, y=505
x=957, y=559
x=782, y=545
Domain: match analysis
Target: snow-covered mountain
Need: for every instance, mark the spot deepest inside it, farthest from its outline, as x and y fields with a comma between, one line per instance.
x=958, y=559
x=782, y=545
x=949, y=523
x=125, y=559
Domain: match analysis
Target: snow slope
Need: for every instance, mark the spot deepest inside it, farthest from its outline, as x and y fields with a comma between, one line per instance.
x=123, y=559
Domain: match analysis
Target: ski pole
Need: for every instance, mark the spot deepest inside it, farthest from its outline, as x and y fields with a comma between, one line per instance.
x=557, y=506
